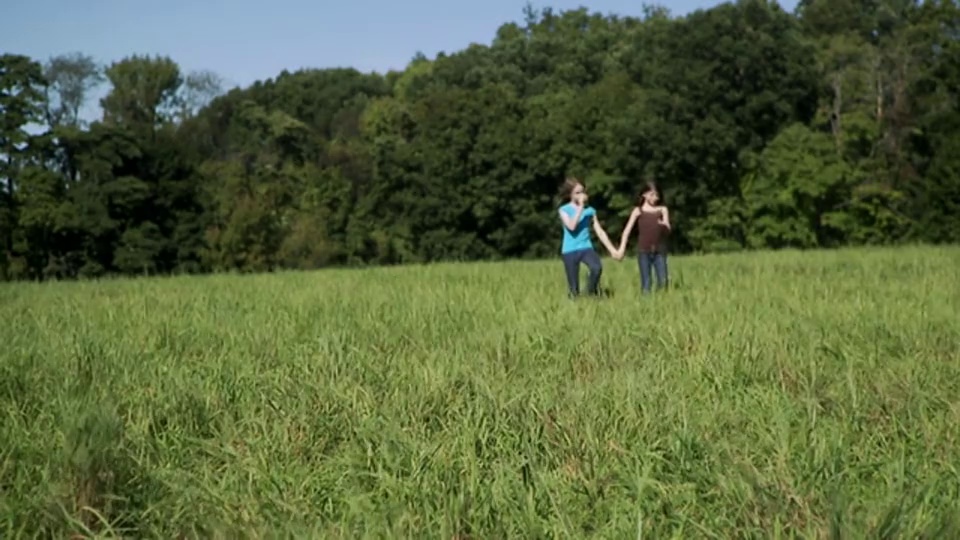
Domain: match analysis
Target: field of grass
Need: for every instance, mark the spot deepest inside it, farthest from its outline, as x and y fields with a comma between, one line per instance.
x=773, y=395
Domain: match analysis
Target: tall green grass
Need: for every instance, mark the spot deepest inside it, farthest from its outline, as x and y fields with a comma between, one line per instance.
x=792, y=394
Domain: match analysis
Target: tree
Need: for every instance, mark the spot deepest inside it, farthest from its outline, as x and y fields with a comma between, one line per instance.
x=144, y=93
x=70, y=78
x=21, y=104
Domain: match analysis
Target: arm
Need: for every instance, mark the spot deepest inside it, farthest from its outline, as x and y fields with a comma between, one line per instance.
x=665, y=217
x=604, y=239
x=570, y=222
x=629, y=227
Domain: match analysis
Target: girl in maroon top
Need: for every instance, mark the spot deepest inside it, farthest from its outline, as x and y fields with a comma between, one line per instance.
x=653, y=226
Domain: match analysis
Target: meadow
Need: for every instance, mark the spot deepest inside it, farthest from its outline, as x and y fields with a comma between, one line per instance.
x=767, y=395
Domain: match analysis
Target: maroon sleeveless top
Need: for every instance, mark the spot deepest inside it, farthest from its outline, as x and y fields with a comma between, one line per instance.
x=650, y=234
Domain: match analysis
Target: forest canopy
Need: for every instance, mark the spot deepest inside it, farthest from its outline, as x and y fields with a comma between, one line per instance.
x=834, y=125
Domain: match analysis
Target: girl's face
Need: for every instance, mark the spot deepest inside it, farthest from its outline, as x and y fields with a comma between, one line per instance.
x=651, y=197
x=578, y=194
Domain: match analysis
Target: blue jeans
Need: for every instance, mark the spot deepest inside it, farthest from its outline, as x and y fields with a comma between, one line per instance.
x=571, y=264
x=658, y=263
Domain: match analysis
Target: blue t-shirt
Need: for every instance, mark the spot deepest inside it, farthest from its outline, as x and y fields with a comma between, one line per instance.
x=579, y=237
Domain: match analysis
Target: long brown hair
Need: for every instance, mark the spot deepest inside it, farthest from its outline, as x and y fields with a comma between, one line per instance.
x=569, y=184
x=649, y=186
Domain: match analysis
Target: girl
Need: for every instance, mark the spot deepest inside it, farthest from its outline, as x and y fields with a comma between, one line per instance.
x=577, y=247
x=653, y=226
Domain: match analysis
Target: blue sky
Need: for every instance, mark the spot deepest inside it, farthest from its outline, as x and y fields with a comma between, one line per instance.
x=246, y=40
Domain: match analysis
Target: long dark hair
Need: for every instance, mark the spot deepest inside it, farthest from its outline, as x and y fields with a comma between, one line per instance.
x=650, y=185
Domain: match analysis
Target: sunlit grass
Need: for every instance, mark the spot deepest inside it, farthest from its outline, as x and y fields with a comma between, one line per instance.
x=792, y=394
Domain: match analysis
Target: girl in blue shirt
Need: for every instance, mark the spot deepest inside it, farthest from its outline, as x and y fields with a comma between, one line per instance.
x=577, y=219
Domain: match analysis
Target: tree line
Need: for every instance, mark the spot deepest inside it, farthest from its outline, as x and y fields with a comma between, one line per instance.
x=834, y=125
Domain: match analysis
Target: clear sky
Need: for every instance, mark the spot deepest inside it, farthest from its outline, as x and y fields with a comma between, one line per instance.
x=246, y=40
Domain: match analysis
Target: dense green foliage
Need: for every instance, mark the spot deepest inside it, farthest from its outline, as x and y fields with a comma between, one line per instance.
x=836, y=125
x=810, y=394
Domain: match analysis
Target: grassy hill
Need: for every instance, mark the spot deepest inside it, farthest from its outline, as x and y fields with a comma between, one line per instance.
x=790, y=393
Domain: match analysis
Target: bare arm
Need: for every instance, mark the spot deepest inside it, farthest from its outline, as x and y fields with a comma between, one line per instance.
x=629, y=227
x=602, y=235
x=665, y=217
x=570, y=222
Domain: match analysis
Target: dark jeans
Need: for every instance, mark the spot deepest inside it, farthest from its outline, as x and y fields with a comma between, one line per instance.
x=658, y=263
x=571, y=263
